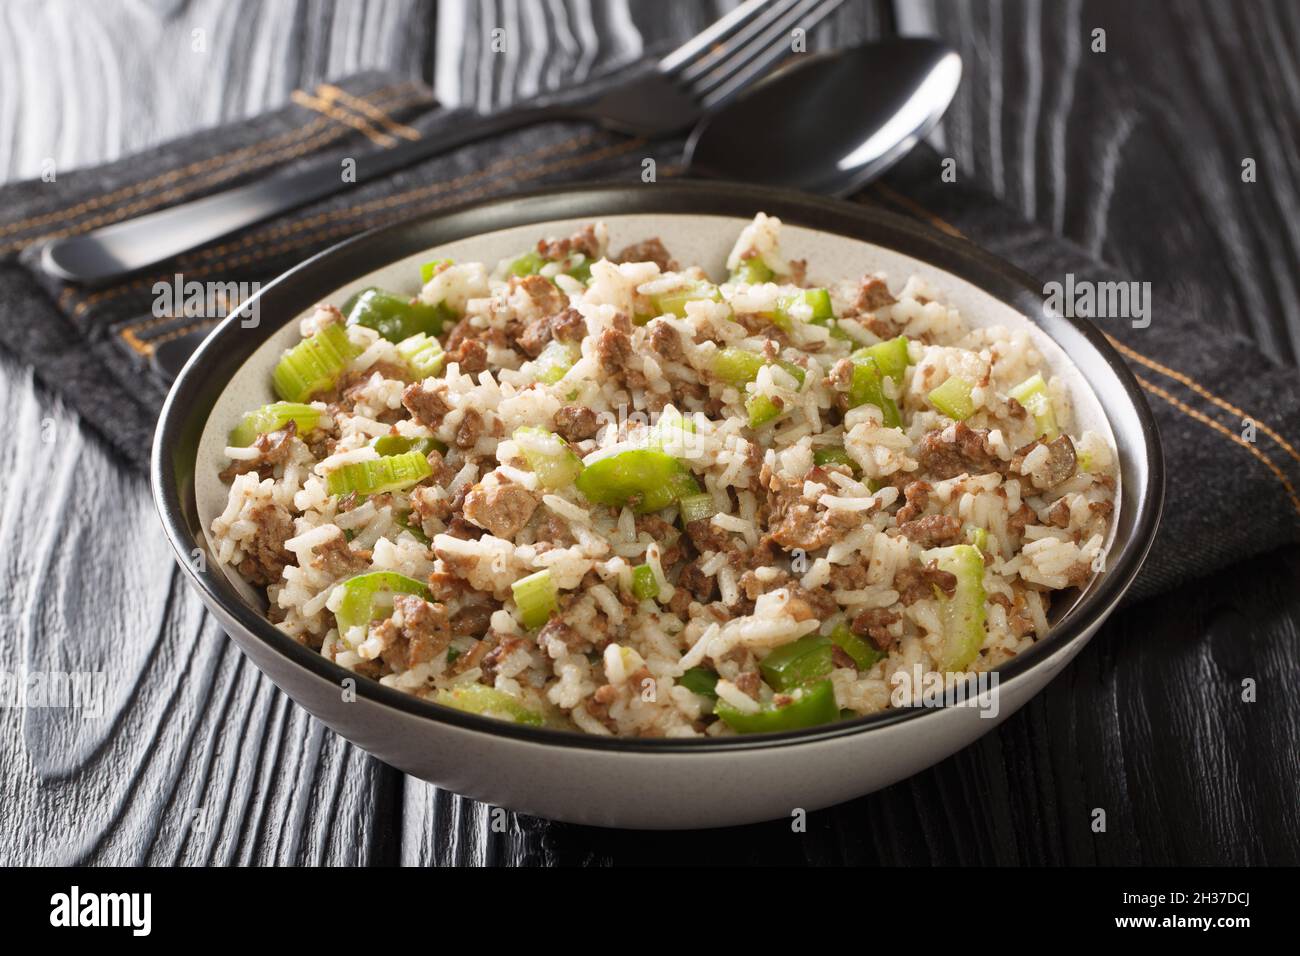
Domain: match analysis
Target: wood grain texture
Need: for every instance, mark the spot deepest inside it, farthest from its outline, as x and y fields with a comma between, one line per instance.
x=198, y=759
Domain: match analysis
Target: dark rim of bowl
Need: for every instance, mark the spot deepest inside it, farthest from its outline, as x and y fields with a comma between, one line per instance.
x=196, y=389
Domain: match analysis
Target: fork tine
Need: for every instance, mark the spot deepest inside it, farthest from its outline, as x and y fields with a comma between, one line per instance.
x=774, y=13
x=748, y=65
x=704, y=41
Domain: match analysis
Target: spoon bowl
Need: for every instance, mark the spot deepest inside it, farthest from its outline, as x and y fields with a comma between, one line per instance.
x=838, y=119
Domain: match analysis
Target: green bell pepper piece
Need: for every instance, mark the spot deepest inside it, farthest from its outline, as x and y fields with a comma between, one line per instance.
x=700, y=680
x=359, y=607
x=814, y=705
x=645, y=478
x=397, y=318
x=795, y=664
x=962, y=614
x=489, y=702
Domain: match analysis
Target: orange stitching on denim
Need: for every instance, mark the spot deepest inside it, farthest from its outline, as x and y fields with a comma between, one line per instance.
x=1219, y=427
x=234, y=158
x=181, y=192
x=358, y=105
x=569, y=163
x=358, y=123
x=351, y=211
x=1204, y=393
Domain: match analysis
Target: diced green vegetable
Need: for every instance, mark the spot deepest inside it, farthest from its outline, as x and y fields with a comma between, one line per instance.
x=737, y=366
x=978, y=537
x=752, y=271
x=313, y=365
x=490, y=702
x=834, y=455
x=549, y=456
x=378, y=475
x=645, y=478
x=530, y=263
x=762, y=410
x=810, y=305
x=864, y=655
x=644, y=583
x=405, y=522
x=813, y=705
x=867, y=387
x=362, y=601
x=700, y=680
x=423, y=355
x=674, y=302
x=797, y=372
x=795, y=664
x=556, y=360
x=953, y=398
x=271, y=418
x=1033, y=395
x=396, y=317
x=430, y=269
x=536, y=597
x=399, y=444
x=890, y=357
x=580, y=269
x=698, y=507
x=963, y=613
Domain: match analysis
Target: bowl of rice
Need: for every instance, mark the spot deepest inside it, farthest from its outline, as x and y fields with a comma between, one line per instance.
x=676, y=506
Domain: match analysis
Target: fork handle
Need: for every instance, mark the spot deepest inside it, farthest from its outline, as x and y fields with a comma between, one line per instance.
x=125, y=247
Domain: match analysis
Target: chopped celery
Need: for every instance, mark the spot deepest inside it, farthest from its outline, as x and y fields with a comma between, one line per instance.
x=762, y=410
x=373, y=477
x=834, y=455
x=700, y=680
x=489, y=702
x=753, y=271
x=811, y=305
x=549, y=456
x=397, y=444
x=555, y=361
x=423, y=354
x=890, y=357
x=963, y=613
x=360, y=604
x=536, y=597
x=271, y=418
x=580, y=268
x=530, y=263
x=1032, y=394
x=795, y=664
x=697, y=507
x=396, y=317
x=797, y=372
x=313, y=365
x=674, y=302
x=644, y=584
x=953, y=398
x=812, y=705
x=430, y=269
x=867, y=387
x=645, y=478
x=737, y=366
x=864, y=655
x=978, y=537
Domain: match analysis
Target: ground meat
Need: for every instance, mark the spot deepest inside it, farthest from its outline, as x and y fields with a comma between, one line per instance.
x=337, y=559
x=265, y=556
x=568, y=325
x=614, y=349
x=873, y=294
x=427, y=504
x=273, y=448
x=499, y=505
x=469, y=430
x=695, y=583
x=442, y=473
x=915, y=583
x=1059, y=514
x=493, y=658
x=471, y=356
x=584, y=241
x=1101, y=508
x=576, y=423
x=556, y=630
x=958, y=449
x=874, y=623
x=535, y=336
x=556, y=531
x=446, y=587
x=932, y=531
x=472, y=620
x=917, y=495
x=1021, y=518
x=649, y=250
x=665, y=340
x=546, y=295
x=748, y=683
x=707, y=536
x=474, y=656
x=849, y=577
x=796, y=523
x=426, y=405
x=423, y=633
x=1061, y=462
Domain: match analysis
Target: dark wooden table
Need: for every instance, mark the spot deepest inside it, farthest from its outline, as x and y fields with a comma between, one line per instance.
x=199, y=759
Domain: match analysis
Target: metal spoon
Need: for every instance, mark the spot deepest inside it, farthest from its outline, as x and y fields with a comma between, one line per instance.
x=832, y=122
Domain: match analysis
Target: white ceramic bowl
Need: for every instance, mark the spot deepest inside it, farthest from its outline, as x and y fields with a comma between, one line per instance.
x=643, y=783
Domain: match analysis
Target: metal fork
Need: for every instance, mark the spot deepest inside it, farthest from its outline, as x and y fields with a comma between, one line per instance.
x=667, y=98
